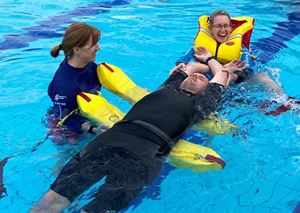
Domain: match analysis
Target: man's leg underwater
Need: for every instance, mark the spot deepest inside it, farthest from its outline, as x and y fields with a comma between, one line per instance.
x=79, y=174
x=127, y=176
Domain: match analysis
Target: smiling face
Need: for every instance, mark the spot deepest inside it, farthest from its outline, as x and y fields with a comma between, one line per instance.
x=195, y=83
x=220, y=28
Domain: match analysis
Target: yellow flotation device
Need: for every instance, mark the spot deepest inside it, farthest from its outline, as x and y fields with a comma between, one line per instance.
x=116, y=81
x=97, y=108
x=197, y=158
x=183, y=155
x=230, y=50
x=215, y=125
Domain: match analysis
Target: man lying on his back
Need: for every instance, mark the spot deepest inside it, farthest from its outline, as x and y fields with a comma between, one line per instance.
x=131, y=153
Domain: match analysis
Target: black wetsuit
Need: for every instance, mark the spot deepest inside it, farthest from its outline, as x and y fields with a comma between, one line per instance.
x=131, y=153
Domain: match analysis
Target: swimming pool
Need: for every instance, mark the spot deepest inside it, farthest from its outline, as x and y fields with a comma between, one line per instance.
x=144, y=38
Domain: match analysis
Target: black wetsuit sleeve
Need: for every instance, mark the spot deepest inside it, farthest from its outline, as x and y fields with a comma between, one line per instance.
x=174, y=81
x=208, y=101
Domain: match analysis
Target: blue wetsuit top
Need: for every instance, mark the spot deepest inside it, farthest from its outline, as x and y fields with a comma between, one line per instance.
x=66, y=84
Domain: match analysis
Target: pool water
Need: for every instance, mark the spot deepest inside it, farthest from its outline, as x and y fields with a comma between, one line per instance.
x=144, y=39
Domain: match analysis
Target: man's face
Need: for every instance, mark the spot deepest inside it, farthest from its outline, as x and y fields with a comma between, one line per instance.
x=195, y=83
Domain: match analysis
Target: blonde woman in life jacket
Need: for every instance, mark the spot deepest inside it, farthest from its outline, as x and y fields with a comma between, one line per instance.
x=227, y=39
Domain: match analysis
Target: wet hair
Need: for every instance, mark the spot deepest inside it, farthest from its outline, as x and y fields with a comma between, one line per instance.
x=76, y=35
x=215, y=14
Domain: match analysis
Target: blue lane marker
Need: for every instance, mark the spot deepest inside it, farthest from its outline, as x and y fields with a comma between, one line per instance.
x=49, y=28
x=297, y=209
x=284, y=31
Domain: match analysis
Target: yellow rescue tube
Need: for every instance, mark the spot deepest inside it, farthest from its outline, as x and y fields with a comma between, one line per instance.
x=186, y=155
x=215, y=125
x=98, y=109
x=116, y=81
x=183, y=155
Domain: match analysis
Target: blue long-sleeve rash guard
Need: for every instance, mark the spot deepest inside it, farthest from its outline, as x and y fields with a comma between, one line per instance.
x=67, y=83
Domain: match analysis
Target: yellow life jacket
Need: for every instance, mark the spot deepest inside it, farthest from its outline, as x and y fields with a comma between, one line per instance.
x=230, y=50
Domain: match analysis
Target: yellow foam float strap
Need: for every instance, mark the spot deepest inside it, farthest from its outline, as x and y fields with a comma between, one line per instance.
x=215, y=125
x=96, y=108
x=186, y=155
x=116, y=81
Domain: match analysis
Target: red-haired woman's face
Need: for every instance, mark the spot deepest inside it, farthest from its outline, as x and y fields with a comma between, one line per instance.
x=87, y=53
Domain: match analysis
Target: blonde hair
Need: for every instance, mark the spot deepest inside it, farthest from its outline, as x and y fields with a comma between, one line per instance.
x=215, y=14
x=76, y=35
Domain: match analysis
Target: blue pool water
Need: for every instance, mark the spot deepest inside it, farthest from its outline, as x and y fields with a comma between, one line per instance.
x=144, y=38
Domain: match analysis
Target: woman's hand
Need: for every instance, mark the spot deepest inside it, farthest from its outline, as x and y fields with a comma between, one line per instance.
x=234, y=70
x=235, y=65
x=202, y=54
